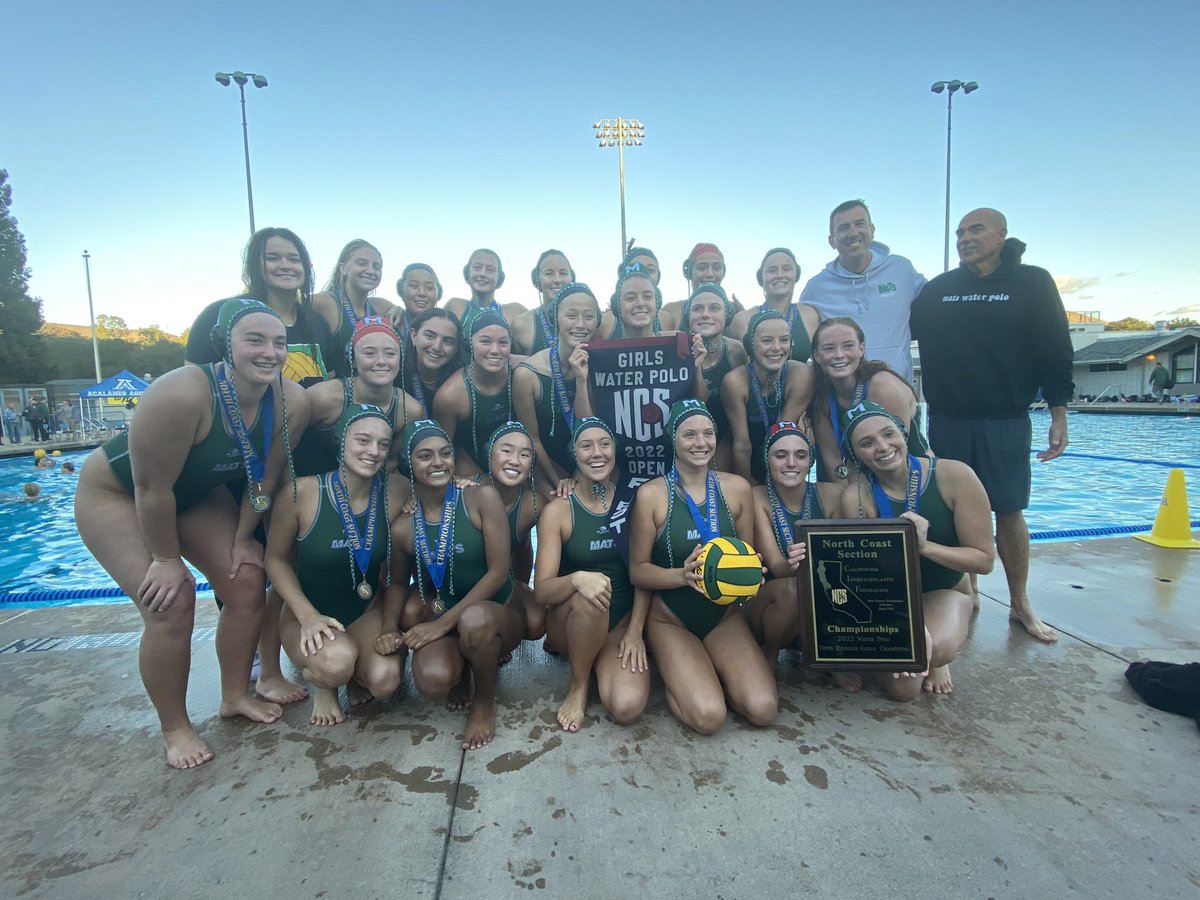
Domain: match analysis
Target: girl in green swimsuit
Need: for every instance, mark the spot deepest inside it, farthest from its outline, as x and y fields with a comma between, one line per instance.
x=419, y=289
x=950, y=509
x=349, y=295
x=705, y=652
x=770, y=388
x=148, y=499
x=461, y=616
x=512, y=461
x=546, y=394
x=633, y=311
x=844, y=377
x=533, y=329
x=595, y=615
x=374, y=366
x=477, y=399
x=780, y=506
x=329, y=557
x=707, y=313
x=430, y=354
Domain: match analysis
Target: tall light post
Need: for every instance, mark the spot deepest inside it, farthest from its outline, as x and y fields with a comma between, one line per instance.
x=620, y=133
x=950, y=87
x=259, y=81
x=87, y=271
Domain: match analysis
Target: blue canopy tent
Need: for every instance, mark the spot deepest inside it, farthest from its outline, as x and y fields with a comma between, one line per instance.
x=122, y=386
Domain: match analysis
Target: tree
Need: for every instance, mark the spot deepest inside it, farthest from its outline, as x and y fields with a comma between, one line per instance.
x=151, y=334
x=22, y=352
x=110, y=326
x=1183, y=322
x=1129, y=323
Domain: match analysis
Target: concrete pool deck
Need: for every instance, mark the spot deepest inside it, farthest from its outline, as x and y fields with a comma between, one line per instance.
x=1043, y=775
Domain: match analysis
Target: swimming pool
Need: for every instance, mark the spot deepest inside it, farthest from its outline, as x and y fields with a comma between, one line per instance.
x=43, y=551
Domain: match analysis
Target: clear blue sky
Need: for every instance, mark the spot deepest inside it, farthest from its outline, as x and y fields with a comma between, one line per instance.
x=433, y=128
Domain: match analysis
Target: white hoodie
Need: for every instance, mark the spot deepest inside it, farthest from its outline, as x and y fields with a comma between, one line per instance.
x=878, y=300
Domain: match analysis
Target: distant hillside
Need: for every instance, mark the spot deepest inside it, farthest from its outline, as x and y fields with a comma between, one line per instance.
x=135, y=335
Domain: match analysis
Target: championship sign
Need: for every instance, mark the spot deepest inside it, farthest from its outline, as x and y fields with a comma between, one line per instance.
x=860, y=595
x=633, y=383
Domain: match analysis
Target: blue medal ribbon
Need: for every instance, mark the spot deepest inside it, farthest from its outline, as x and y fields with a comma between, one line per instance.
x=435, y=560
x=348, y=309
x=560, y=388
x=359, y=544
x=256, y=464
x=912, y=492
x=706, y=524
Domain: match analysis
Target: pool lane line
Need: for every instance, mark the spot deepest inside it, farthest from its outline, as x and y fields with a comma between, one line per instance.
x=1129, y=459
x=1090, y=531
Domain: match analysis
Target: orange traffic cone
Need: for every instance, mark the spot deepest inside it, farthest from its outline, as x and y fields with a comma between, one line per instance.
x=1172, y=525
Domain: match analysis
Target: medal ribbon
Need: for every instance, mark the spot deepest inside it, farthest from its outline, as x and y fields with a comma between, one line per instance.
x=783, y=528
x=707, y=524
x=256, y=465
x=912, y=492
x=756, y=392
x=540, y=314
x=360, y=545
x=348, y=309
x=835, y=414
x=560, y=388
x=435, y=562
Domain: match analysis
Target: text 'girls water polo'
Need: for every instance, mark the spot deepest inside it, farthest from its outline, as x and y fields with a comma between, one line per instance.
x=730, y=571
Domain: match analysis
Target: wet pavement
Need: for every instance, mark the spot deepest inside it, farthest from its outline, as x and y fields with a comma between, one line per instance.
x=1043, y=775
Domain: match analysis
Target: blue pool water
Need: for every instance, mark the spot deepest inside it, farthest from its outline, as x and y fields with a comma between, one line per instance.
x=42, y=550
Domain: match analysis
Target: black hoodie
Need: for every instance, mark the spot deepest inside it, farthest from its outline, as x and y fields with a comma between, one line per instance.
x=987, y=344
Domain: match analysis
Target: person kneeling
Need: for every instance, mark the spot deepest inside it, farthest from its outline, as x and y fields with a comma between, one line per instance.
x=582, y=575
x=324, y=556
x=464, y=611
x=704, y=651
x=946, y=502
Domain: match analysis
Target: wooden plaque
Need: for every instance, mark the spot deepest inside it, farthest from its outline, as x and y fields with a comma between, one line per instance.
x=860, y=595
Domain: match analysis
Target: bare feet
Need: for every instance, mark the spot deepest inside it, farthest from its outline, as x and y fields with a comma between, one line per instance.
x=252, y=708
x=460, y=695
x=850, y=682
x=1035, y=626
x=326, y=708
x=938, y=681
x=481, y=725
x=185, y=750
x=278, y=689
x=573, y=709
x=357, y=693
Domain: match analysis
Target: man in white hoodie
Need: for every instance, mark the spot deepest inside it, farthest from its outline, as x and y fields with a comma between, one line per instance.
x=868, y=284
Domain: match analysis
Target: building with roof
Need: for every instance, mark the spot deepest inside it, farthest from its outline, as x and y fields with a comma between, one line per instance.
x=1120, y=362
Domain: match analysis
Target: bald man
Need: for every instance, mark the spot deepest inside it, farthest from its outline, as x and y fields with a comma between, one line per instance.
x=992, y=333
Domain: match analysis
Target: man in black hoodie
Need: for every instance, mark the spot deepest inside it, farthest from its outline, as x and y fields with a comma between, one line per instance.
x=991, y=334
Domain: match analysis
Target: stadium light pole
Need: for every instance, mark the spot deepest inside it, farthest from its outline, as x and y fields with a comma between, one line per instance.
x=950, y=87
x=240, y=79
x=87, y=271
x=620, y=133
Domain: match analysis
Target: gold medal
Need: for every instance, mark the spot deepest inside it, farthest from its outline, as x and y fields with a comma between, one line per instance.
x=364, y=591
x=260, y=502
x=438, y=607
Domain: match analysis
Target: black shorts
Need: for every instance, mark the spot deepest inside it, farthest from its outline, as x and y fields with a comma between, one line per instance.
x=997, y=449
